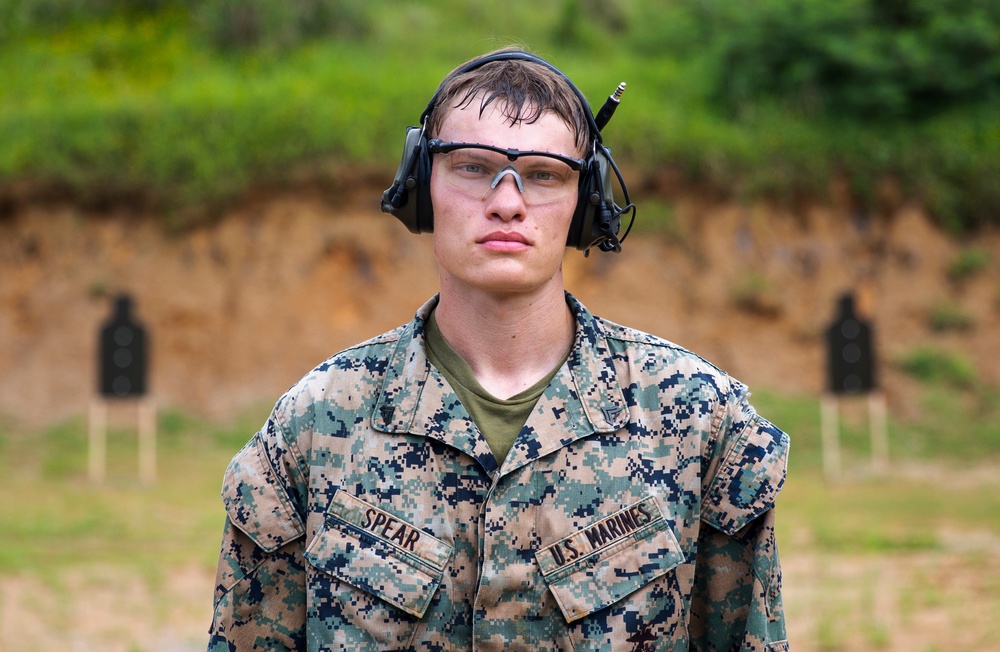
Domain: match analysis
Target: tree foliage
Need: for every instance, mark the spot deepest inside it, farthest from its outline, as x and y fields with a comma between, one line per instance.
x=881, y=59
x=278, y=24
x=227, y=24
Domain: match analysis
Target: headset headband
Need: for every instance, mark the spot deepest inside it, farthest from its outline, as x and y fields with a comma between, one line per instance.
x=515, y=55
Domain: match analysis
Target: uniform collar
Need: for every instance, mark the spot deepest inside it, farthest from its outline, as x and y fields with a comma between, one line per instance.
x=584, y=397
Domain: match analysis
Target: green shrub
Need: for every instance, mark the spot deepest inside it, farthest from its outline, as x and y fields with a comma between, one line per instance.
x=968, y=263
x=755, y=294
x=948, y=317
x=932, y=365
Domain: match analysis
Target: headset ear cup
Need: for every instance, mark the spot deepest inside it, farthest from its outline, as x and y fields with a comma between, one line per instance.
x=583, y=216
x=607, y=213
x=594, y=221
x=423, y=207
x=409, y=196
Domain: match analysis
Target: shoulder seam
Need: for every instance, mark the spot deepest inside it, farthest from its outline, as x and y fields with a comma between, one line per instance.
x=614, y=331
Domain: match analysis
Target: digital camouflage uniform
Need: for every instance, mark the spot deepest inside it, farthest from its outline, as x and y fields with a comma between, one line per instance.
x=634, y=511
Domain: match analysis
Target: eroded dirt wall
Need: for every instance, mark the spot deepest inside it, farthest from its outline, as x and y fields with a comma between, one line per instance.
x=239, y=309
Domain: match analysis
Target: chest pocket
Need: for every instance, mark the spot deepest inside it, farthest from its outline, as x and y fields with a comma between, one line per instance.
x=380, y=554
x=609, y=560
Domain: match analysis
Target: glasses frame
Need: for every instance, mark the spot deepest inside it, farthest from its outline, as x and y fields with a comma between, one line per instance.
x=438, y=146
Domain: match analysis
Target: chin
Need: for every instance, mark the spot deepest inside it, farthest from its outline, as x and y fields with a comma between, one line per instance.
x=510, y=281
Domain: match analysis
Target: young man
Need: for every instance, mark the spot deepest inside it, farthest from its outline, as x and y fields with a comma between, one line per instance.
x=506, y=471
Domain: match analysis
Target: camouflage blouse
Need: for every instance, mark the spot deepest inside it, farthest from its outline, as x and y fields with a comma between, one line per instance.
x=634, y=512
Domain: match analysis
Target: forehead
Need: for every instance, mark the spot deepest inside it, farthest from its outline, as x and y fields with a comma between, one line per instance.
x=549, y=133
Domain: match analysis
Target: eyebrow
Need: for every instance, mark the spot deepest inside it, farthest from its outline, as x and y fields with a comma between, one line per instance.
x=438, y=146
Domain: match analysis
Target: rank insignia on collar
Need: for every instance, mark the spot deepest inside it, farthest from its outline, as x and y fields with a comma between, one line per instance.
x=611, y=412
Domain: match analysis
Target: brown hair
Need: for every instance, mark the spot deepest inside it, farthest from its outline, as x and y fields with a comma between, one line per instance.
x=522, y=90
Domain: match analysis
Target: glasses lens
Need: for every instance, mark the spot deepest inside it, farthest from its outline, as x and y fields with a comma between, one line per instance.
x=542, y=178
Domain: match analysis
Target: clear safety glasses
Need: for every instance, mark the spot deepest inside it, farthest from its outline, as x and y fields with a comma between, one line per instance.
x=475, y=169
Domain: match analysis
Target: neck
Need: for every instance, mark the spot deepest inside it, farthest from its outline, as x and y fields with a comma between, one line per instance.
x=510, y=341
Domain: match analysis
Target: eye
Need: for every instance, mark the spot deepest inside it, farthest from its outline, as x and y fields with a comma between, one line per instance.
x=548, y=174
x=545, y=175
x=470, y=167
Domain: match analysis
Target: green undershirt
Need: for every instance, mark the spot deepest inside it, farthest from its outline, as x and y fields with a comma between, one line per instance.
x=499, y=420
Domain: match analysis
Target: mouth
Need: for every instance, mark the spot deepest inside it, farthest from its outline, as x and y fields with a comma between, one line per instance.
x=504, y=237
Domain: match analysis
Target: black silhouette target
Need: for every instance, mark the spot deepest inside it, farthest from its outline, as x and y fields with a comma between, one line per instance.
x=123, y=353
x=850, y=355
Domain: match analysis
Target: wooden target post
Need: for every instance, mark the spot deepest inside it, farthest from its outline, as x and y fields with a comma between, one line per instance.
x=145, y=416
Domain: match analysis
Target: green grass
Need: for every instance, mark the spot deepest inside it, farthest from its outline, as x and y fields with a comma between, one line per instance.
x=60, y=519
x=883, y=515
x=956, y=422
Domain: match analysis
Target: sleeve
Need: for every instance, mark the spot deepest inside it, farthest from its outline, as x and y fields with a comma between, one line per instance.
x=737, y=591
x=260, y=582
x=737, y=604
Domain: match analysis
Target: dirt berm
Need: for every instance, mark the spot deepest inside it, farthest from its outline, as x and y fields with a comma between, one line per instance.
x=239, y=308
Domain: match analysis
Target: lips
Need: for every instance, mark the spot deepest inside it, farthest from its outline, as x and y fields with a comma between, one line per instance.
x=504, y=236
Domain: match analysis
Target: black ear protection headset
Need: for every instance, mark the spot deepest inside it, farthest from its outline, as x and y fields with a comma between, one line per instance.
x=597, y=219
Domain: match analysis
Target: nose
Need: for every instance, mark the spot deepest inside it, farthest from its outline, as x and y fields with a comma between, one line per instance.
x=506, y=200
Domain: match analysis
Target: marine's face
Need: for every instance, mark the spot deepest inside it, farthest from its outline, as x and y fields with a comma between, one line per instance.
x=508, y=237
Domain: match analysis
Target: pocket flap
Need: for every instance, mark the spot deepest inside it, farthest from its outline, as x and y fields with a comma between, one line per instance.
x=380, y=554
x=255, y=501
x=610, y=559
